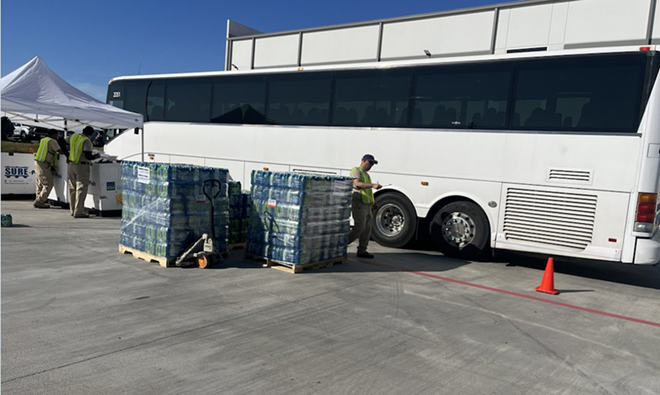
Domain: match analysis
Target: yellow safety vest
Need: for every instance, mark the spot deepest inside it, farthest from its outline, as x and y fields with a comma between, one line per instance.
x=42, y=152
x=367, y=194
x=76, y=141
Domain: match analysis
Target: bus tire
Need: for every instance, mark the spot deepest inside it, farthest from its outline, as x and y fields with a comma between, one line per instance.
x=394, y=222
x=460, y=230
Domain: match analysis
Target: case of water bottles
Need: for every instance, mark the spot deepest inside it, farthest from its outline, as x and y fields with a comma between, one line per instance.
x=299, y=218
x=239, y=209
x=165, y=210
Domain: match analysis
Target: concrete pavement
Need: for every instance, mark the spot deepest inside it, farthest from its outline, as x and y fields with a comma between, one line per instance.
x=86, y=320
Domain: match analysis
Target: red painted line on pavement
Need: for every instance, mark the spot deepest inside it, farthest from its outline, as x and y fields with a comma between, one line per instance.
x=570, y=306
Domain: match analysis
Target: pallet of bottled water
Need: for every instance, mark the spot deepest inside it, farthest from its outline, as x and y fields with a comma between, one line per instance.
x=299, y=218
x=239, y=211
x=165, y=210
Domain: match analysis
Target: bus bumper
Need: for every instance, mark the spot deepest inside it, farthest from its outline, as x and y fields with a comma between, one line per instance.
x=648, y=250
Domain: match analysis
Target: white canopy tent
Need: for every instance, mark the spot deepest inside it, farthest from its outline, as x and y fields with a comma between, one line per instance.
x=33, y=94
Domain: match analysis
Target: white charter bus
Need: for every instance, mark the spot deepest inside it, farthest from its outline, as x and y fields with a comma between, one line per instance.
x=554, y=153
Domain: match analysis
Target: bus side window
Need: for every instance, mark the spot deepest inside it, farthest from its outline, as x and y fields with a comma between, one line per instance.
x=370, y=99
x=580, y=93
x=586, y=116
x=135, y=93
x=239, y=100
x=156, y=113
x=191, y=98
x=291, y=98
x=473, y=96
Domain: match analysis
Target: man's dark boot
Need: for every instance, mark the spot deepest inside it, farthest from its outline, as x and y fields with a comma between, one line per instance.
x=364, y=254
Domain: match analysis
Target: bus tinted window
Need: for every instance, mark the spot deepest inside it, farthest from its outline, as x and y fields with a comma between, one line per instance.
x=299, y=99
x=156, y=101
x=188, y=100
x=462, y=97
x=599, y=93
x=239, y=100
x=570, y=93
x=135, y=94
x=371, y=98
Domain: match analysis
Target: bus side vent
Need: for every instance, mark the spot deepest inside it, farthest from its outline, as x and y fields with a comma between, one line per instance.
x=570, y=176
x=559, y=219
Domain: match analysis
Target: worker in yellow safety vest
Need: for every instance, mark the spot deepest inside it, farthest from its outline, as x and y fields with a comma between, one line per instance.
x=80, y=158
x=45, y=163
x=362, y=204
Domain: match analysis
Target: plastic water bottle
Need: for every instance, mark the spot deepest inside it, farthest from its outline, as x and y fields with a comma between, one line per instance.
x=7, y=220
x=162, y=173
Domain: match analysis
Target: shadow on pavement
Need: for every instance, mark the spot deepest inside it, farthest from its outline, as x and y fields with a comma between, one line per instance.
x=422, y=257
x=27, y=197
x=637, y=275
x=433, y=262
x=572, y=291
x=398, y=261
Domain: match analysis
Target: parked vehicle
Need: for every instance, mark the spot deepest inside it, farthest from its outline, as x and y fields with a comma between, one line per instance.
x=21, y=132
x=36, y=133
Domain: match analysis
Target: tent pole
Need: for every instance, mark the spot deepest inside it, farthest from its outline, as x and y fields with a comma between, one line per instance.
x=142, y=134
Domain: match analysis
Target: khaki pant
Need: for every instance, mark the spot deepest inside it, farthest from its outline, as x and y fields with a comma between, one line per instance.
x=78, y=183
x=45, y=182
x=363, y=219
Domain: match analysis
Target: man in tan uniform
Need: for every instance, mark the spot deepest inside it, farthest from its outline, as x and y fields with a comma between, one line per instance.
x=362, y=204
x=80, y=159
x=45, y=161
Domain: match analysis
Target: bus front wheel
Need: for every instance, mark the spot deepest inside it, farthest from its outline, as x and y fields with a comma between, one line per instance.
x=395, y=220
x=460, y=230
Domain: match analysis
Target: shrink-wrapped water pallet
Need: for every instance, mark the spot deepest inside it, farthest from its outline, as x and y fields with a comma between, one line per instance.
x=165, y=210
x=299, y=218
x=239, y=208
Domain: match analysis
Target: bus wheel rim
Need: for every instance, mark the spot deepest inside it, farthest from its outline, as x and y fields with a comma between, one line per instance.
x=458, y=229
x=390, y=220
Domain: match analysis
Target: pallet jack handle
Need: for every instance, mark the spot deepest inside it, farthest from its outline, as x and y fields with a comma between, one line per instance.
x=213, y=185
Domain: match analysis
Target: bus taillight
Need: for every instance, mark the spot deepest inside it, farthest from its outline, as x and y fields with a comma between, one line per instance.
x=646, y=209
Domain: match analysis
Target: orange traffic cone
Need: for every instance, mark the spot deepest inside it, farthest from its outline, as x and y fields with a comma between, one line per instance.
x=548, y=282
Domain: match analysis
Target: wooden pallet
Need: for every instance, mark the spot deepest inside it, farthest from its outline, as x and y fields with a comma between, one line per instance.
x=162, y=261
x=294, y=267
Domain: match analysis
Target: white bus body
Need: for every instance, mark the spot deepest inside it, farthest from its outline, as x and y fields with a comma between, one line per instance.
x=545, y=174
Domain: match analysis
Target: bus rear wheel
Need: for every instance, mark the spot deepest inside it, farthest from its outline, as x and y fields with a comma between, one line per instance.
x=460, y=230
x=395, y=221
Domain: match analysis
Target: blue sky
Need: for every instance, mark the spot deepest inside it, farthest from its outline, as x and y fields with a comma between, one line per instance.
x=87, y=42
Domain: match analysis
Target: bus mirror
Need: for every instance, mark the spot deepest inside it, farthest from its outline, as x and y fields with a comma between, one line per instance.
x=137, y=131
